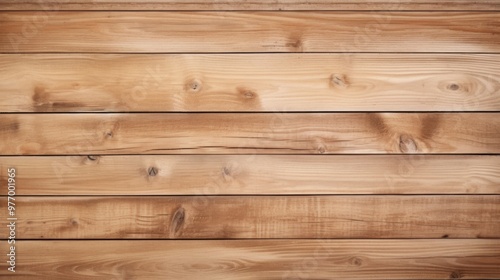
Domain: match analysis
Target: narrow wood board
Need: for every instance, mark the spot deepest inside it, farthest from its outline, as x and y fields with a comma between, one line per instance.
x=249, y=133
x=193, y=32
x=214, y=5
x=257, y=259
x=249, y=82
x=228, y=217
x=253, y=174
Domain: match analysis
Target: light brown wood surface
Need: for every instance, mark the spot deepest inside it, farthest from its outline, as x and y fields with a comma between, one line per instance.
x=228, y=217
x=250, y=133
x=57, y=5
x=254, y=174
x=258, y=259
x=192, y=32
x=249, y=82
x=259, y=139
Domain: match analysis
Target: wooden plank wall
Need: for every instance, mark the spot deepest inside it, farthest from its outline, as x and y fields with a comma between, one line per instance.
x=258, y=139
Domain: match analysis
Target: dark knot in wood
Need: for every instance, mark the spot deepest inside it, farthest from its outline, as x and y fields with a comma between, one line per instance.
x=407, y=144
x=177, y=221
x=338, y=80
x=453, y=87
x=152, y=171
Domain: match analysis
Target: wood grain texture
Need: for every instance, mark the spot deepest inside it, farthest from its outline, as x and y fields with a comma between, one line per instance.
x=258, y=259
x=249, y=133
x=253, y=174
x=249, y=82
x=228, y=217
x=214, y=5
x=259, y=139
x=152, y=32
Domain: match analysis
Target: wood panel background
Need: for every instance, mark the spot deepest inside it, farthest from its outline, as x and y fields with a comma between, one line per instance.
x=256, y=139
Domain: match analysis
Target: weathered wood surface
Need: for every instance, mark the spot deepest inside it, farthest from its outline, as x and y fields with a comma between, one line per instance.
x=257, y=259
x=254, y=174
x=228, y=217
x=249, y=82
x=214, y=5
x=192, y=32
x=249, y=133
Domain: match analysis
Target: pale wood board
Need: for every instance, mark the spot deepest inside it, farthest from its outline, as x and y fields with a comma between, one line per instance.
x=194, y=32
x=249, y=82
x=249, y=133
x=258, y=259
x=228, y=217
x=253, y=174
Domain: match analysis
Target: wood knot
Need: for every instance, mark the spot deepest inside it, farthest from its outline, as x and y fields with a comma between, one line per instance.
x=356, y=261
x=109, y=134
x=93, y=158
x=338, y=81
x=249, y=94
x=74, y=222
x=227, y=173
x=295, y=44
x=40, y=96
x=177, y=221
x=193, y=86
x=41, y=99
x=319, y=146
x=152, y=171
x=321, y=150
x=445, y=236
x=407, y=144
x=453, y=87
x=456, y=275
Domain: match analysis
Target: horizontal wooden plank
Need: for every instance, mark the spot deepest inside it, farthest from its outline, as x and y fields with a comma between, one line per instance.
x=214, y=217
x=256, y=259
x=148, y=32
x=253, y=174
x=363, y=5
x=249, y=82
x=249, y=133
